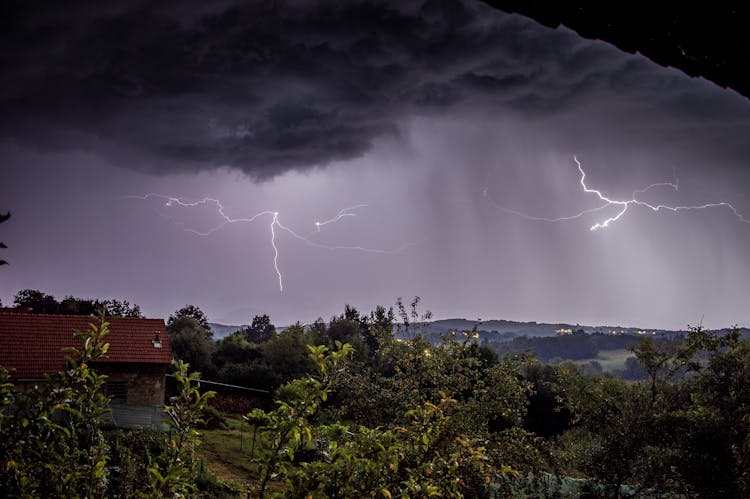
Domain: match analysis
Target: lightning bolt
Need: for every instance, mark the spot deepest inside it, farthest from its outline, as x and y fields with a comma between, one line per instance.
x=346, y=212
x=485, y=194
x=171, y=201
x=275, y=221
x=635, y=201
x=623, y=204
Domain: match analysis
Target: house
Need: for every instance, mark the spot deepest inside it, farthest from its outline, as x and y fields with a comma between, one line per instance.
x=32, y=345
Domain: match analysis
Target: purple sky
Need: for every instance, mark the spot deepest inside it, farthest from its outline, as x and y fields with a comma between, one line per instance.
x=450, y=121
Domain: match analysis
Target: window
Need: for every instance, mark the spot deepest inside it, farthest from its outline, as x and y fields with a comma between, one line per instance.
x=117, y=390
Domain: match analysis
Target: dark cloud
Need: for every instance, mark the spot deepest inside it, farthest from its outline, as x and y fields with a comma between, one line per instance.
x=269, y=86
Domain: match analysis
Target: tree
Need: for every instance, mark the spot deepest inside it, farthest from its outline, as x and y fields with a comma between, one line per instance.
x=117, y=308
x=193, y=312
x=3, y=218
x=684, y=435
x=380, y=331
x=260, y=330
x=52, y=444
x=192, y=343
x=235, y=349
x=432, y=445
x=412, y=322
x=42, y=303
x=38, y=302
x=287, y=354
x=174, y=474
x=76, y=306
x=656, y=358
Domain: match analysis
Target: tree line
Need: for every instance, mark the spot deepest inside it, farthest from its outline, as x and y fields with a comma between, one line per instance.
x=359, y=412
x=39, y=302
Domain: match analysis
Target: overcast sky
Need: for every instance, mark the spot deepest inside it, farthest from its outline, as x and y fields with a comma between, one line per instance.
x=455, y=124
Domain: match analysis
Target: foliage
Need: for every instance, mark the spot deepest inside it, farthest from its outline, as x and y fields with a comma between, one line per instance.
x=444, y=421
x=414, y=372
x=117, y=308
x=289, y=425
x=38, y=302
x=52, y=442
x=361, y=413
x=426, y=457
x=684, y=430
x=42, y=303
x=191, y=343
x=260, y=330
x=192, y=312
x=267, y=365
x=173, y=473
x=411, y=320
x=234, y=349
x=130, y=453
x=576, y=346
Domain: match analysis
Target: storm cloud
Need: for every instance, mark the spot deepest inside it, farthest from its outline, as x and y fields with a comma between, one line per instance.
x=454, y=123
x=265, y=87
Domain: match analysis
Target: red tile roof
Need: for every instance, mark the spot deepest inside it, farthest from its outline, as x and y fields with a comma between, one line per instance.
x=33, y=343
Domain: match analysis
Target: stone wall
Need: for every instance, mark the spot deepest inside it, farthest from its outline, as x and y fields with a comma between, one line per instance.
x=144, y=383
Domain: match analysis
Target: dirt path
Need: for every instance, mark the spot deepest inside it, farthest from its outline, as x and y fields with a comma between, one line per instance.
x=223, y=468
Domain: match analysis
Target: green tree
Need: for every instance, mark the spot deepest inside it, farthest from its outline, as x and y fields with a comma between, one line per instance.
x=193, y=312
x=288, y=426
x=684, y=430
x=235, y=349
x=260, y=330
x=612, y=426
x=42, y=303
x=76, y=306
x=657, y=358
x=412, y=322
x=174, y=472
x=52, y=443
x=379, y=333
x=38, y=302
x=437, y=447
x=713, y=437
x=192, y=343
x=240, y=362
x=287, y=354
x=118, y=308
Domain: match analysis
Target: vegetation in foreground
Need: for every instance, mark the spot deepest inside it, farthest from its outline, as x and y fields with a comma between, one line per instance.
x=366, y=415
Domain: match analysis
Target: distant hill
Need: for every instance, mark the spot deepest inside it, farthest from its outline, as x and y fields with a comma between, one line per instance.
x=221, y=331
x=494, y=328
x=504, y=330
x=491, y=330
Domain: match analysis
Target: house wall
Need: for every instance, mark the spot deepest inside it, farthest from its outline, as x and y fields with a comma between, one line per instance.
x=144, y=382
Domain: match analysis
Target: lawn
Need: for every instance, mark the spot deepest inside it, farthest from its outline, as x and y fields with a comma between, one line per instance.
x=227, y=452
x=610, y=360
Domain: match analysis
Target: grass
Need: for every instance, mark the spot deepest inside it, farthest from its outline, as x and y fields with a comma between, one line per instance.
x=610, y=360
x=227, y=452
